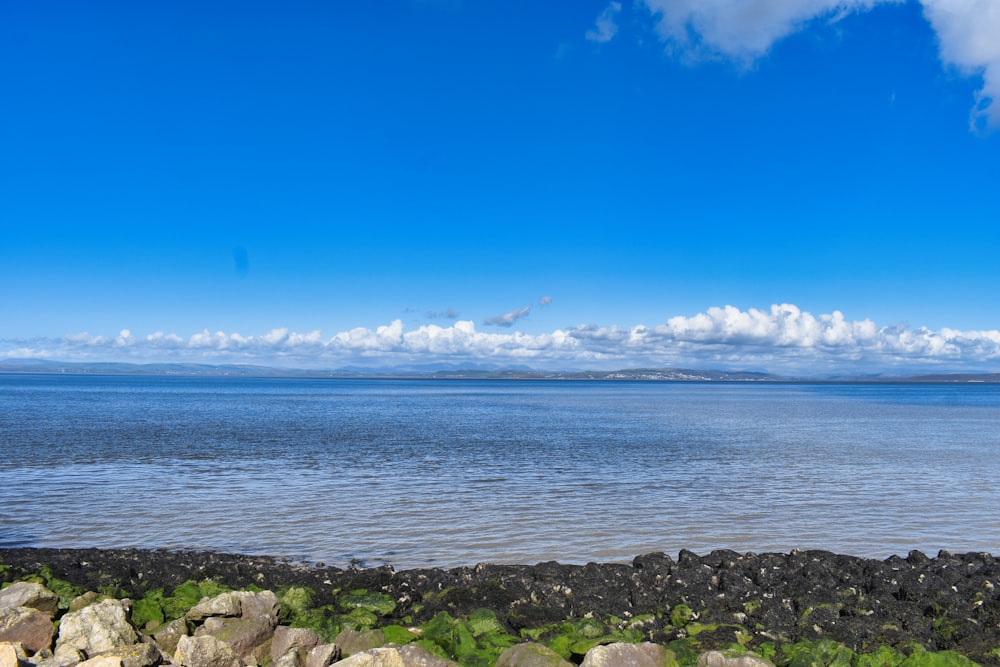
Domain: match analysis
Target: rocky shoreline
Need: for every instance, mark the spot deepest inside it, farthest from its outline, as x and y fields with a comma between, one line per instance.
x=805, y=607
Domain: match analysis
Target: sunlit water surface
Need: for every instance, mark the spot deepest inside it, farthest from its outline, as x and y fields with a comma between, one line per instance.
x=444, y=473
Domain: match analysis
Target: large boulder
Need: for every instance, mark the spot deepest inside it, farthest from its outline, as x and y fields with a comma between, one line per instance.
x=29, y=594
x=621, y=654
x=99, y=628
x=29, y=626
x=205, y=651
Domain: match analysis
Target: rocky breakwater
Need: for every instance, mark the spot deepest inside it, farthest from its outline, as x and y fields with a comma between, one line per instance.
x=138, y=608
x=240, y=629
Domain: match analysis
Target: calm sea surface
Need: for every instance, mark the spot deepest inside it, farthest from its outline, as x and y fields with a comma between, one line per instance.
x=445, y=473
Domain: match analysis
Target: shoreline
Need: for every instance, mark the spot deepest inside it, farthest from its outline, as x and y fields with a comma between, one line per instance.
x=947, y=602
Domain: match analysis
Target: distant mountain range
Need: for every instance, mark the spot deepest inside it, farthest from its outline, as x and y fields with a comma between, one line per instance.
x=457, y=373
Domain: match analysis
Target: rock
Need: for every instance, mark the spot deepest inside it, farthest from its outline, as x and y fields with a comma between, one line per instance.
x=137, y=655
x=12, y=654
x=167, y=635
x=245, y=604
x=29, y=594
x=415, y=655
x=352, y=641
x=226, y=604
x=205, y=651
x=645, y=654
x=720, y=659
x=323, y=655
x=376, y=657
x=531, y=654
x=291, y=658
x=29, y=626
x=67, y=658
x=249, y=638
x=285, y=639
x=99, y=628
x=102, y=661
x=81, y=601
x=263, y=604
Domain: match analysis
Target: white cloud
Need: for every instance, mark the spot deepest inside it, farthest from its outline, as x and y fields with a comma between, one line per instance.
x=742, y=30
x=507, y=319
x=606, y=26
x=782, y=339
x=544, y=301
x=969, y=35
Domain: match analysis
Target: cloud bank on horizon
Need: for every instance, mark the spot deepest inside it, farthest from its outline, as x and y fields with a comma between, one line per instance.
x=967, y=32
x=784, y=339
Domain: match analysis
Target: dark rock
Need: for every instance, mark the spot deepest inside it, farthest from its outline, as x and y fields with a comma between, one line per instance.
x=951, y=601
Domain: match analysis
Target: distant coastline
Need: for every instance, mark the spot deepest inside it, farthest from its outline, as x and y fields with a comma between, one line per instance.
x=48, y=367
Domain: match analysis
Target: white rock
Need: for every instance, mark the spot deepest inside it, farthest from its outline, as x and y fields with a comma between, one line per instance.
x=99, y=628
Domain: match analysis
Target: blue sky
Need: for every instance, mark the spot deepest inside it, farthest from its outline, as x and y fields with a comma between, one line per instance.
x=784, y=185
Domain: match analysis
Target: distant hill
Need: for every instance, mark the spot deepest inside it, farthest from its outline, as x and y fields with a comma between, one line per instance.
x=458, y=373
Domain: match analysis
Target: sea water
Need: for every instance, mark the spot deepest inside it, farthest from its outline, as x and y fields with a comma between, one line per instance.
x=443, y=473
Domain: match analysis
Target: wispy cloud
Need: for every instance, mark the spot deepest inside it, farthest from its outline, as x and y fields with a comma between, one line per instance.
x=968, y=32
x=606, y=25
x=448, y=314
x=544, y=301
x=782, y=339
x=508, y=319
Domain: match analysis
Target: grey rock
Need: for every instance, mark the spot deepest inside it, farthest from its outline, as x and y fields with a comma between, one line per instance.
x=285, y=639
x=263, y=604
x=530, y=654
x=67, y=658
x=226, y=605
x=620, y=654
x=99, y=628
x=205, y=651
x=721, y=659
x=323, y=655
x=249, y=638
x=136, y=655
x=29, y=594
x=29, y=626
x=291, y=658
x=167, y=635
x=352, y=641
